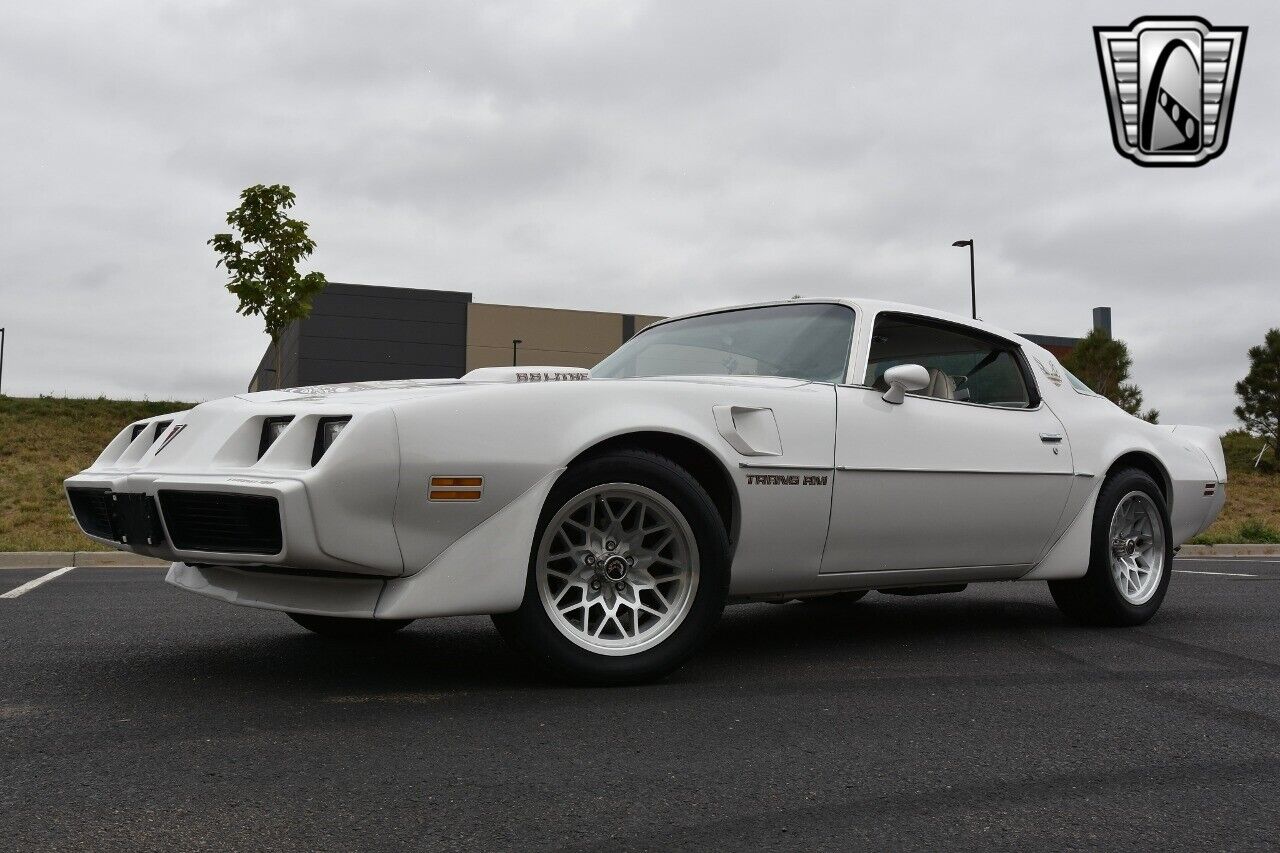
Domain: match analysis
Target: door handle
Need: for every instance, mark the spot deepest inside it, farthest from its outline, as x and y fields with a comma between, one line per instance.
x=1051, y=437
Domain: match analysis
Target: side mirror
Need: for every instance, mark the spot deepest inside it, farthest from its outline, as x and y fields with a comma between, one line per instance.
x=904, y=378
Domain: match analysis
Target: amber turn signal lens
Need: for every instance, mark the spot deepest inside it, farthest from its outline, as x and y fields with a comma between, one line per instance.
x=440, y=495
x=444, y=482
x=455, y=488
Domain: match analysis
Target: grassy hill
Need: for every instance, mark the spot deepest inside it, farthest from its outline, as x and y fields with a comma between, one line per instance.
x=1252, y=513
x=45, y=439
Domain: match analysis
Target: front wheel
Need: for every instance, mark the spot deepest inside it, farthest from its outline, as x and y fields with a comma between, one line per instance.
x=628, y=572
x=1131, y=556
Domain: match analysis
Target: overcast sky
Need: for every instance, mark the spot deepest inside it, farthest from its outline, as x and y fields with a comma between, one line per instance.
x=623, y=156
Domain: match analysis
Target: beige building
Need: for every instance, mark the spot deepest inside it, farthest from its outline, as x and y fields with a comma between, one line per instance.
x=553, y=336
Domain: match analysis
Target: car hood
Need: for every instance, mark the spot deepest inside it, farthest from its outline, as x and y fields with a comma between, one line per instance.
x=358, y=393
x=389, y=391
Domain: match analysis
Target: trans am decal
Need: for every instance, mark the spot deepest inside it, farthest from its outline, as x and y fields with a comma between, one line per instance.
x=786, y=480
x=320, y=392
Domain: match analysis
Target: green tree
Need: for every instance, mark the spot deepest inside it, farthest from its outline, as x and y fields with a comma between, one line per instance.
x=261, y=254
x=1259, y=391
x=1102, y=362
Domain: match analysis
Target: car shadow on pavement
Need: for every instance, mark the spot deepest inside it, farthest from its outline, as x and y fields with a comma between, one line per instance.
x=288, y=659
x=465, y=655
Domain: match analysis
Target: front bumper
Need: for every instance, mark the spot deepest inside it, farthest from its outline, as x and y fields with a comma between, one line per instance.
x=351, y=597
x=144, y=516
x=483, y=572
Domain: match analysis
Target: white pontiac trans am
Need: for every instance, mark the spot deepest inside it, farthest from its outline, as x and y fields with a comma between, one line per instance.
x=811, y=449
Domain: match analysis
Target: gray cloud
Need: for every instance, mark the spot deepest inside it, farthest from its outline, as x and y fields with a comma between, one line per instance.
x=638, y=156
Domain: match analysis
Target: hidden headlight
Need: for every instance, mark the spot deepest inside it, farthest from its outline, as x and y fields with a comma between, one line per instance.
x=271, y=430
x=327, y=432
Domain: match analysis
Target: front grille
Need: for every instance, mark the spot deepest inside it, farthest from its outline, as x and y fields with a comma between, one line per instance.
x=92, y=511
x=222, y=522
x=127, y=517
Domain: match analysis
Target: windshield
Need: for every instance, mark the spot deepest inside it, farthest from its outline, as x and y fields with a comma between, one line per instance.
x=802, y=341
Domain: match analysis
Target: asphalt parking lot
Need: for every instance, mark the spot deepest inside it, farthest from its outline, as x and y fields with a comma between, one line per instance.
x=135, y=716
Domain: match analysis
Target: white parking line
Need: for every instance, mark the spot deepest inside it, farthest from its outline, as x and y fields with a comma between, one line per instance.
x=1225, y=560
x=30, y=585
x=1219, y=574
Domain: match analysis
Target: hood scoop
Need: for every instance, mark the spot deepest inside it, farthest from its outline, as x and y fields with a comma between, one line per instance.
x=528, y=374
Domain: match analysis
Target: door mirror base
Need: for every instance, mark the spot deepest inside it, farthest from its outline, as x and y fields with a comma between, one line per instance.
x=904, y=378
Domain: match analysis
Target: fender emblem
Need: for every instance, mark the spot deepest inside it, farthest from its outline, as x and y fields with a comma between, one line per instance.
x=1050, y=372
x=173, y=433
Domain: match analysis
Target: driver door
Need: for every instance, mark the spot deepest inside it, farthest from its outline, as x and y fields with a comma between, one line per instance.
x=973, y=471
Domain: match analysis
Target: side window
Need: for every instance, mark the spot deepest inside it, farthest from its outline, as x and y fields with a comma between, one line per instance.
x=963, y=366
x=1080, y=387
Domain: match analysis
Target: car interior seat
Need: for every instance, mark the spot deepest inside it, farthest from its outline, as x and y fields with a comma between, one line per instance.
x=940, y=385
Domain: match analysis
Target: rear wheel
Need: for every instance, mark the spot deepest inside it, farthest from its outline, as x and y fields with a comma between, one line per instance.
x=627, y=575
x=1131, y=556
x=348, y=629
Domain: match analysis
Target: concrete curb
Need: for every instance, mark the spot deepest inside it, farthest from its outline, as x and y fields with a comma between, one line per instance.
x=1230, y=551
x=36, y=559
x=60, y=559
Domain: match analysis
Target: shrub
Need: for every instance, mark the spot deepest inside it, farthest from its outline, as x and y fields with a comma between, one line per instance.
x=1255, y=532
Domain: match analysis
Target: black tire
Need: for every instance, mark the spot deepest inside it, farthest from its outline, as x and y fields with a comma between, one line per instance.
x=531, y=631
x=1095, y=599
x=839, y=599
x=345, y=628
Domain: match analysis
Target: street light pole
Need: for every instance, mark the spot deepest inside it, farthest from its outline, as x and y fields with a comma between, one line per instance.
x=515, y=342
x=1, y=358
x=973, y=283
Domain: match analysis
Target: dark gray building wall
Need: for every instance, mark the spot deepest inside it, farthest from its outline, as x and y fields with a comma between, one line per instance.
x=357, y=332
x=1062, y=347
x=360, y=332
x=265, y=376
